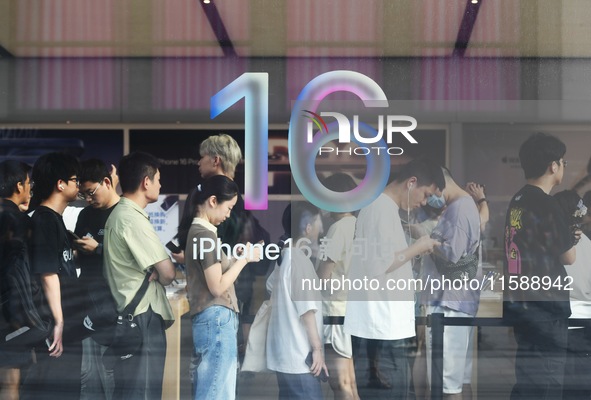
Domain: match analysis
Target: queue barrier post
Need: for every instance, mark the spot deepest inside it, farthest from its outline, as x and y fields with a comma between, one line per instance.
x=437, y=323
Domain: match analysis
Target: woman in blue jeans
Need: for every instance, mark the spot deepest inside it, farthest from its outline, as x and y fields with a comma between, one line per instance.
x=210, y=288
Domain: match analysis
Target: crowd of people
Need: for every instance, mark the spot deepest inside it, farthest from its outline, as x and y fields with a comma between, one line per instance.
x=423, y=227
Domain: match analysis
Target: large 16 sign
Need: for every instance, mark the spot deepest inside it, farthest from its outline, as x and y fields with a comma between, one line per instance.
x=254, y=88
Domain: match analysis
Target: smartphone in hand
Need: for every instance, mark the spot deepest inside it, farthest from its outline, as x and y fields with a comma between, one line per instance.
x=73, y=235
x=322, y=376
x=174, y=246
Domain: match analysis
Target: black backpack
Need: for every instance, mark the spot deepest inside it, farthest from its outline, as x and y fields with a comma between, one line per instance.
x=21, y=325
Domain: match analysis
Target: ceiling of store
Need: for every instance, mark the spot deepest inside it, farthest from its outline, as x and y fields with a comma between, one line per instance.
x=295, y=28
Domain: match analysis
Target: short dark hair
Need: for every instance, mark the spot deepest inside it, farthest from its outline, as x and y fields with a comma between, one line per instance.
x=134, y=167
x=50, y=168
x=537, y=152
x=93, y=170
x=11, y=174
x=296, y=215
x=339, y=182
x=426, y=171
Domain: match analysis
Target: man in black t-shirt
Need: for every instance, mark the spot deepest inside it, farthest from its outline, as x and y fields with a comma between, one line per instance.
x=538, y=243
x=15, y=190
x=97, y=188
x=52, y=263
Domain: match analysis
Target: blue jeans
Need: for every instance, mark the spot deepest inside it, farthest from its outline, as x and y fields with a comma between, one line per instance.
x=213, y=369
x=299, y=387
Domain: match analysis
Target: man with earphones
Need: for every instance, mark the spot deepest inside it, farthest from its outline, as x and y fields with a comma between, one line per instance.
x=56, y=374
x=458, y=229
x=380, y=317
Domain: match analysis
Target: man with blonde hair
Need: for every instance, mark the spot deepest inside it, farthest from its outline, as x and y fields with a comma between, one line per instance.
x=220, y=154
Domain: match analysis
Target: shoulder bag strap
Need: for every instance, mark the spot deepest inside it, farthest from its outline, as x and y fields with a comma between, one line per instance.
x=130, y=308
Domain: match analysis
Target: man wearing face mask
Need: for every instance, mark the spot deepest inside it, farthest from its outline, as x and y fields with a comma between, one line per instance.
x=458, y=229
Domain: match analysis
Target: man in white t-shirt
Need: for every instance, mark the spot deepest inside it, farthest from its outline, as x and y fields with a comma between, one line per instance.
x=294, y=337
x=380, y=317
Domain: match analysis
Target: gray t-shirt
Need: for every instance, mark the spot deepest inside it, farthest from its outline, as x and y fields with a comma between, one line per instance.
x=459, y=231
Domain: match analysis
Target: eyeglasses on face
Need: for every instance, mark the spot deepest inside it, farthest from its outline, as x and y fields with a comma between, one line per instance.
x=90, y=195
x=561, y=161
x=74, y=179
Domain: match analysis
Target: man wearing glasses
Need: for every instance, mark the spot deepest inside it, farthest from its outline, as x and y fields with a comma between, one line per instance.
x=56, y=373
x=97, y=187
x=538, y=243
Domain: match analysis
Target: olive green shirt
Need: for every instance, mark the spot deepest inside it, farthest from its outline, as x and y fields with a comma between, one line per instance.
x=131, y=247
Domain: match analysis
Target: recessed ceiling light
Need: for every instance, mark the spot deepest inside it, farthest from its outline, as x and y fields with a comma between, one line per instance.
x=208, y=1
x=473, y=1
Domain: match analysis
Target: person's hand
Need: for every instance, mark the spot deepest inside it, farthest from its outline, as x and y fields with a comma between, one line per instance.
x=154, y=276
x=577, y=236
x=318, y=363
x=114, y=176
x=56, y=349
x=178, y=257
x=86, y=244
x=253, y=253
x=475, y=190
x=426, y=245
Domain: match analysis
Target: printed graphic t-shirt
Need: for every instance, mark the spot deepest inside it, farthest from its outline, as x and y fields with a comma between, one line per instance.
x=536, y=235
x=52, y=252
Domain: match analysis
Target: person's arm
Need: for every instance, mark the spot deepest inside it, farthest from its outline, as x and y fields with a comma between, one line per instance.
x=569, y=257
x=166, y=271
x=52, y=290
x=476, y=191
x=421, y=246
x=483, y=213
x=217, y=282
x=87, y=245
x=179, y=257
x=114, y=177
x=318, y=363
x=325, y=269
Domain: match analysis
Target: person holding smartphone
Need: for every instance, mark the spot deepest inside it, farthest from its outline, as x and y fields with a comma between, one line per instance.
x=294, y=337
x=56, y=375
x=210, y=289
x=97, y=187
